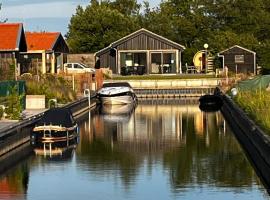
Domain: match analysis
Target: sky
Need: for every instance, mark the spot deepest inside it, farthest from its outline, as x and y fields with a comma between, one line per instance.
x=48, y=15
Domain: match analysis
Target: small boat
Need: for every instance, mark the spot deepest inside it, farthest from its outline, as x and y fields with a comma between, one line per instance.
x=210, y=103
x=56, y=124
x=116, y=93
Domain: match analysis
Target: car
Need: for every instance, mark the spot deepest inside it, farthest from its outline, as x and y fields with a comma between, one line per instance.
x=77, y=68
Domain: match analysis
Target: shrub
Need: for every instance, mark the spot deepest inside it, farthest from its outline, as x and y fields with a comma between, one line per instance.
x=1, y=112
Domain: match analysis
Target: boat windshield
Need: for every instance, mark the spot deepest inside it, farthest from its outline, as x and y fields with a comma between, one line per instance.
x=118, y=84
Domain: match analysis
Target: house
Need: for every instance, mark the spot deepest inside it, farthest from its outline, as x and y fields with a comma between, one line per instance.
x=239, y=59
x=141, y=52
x=46, y=51
x=12, y=42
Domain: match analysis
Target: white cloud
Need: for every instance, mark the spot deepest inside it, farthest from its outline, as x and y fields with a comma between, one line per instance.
x=40, y=10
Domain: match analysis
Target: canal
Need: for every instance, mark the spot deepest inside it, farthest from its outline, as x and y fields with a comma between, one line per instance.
x=162, y=149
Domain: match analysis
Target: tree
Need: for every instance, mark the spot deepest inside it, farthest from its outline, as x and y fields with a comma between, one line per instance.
x=96, y=26
x=5, y=20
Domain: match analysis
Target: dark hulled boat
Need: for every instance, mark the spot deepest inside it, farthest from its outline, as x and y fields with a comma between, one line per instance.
x=56, y=124
x=210, y=103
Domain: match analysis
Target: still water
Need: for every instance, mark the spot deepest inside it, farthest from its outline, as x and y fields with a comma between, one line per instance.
x=165, y=149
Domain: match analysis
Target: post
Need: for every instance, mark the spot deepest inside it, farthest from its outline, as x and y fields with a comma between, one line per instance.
x=206, y=57
x=87, y=93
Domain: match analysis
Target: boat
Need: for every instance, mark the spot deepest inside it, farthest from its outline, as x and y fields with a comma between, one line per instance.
x=116, y=93
x=57, y=124
x=210, y=103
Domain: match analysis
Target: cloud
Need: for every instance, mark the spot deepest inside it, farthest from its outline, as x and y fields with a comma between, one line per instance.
x=59, y=9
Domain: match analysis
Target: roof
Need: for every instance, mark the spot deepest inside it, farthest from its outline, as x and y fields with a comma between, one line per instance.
x=10, y=36
x=41, y=40
x=136, y=33
x=237, y=46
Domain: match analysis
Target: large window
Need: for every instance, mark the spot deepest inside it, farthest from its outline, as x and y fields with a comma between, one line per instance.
x=163, y=63
x=133, y=63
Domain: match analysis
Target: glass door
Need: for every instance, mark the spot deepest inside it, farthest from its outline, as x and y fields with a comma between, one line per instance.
x=156, y=63
x=163, y=62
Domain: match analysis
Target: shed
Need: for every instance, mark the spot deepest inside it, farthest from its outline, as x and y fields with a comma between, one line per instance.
x=12, y=42
x=239, y=59
x=46, y=51
x=141, y=52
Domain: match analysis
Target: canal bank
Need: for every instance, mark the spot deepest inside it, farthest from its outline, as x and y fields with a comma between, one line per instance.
x=254, y=141
x=18, y=133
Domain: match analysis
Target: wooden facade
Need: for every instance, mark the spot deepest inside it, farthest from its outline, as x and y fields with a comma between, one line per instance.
x=239, y=60
x=46, y=51
x=142, y=48
x=12, y=42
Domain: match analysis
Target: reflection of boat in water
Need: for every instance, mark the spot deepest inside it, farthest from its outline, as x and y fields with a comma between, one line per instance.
x=116, y=93
x=59, y=149
x=117, y=113
x=210, y=103
x=56, y=124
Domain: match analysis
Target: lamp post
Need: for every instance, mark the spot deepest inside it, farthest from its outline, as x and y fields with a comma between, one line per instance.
x=206, y=56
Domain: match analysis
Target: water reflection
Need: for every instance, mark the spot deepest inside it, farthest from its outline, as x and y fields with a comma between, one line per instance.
x=193, y=147
x=165, y=149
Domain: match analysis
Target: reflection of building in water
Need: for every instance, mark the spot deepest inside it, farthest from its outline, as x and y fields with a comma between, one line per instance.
x=154, y=127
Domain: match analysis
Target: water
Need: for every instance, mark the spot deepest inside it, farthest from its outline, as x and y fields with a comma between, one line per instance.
x=163, y=150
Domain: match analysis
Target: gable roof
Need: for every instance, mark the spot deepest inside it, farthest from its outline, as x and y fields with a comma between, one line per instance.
x=136, y=33
x=237, y=46
x=10, y=36
x=41, y=40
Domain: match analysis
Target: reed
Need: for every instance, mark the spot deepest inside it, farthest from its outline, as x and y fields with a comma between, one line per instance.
x=257, y=105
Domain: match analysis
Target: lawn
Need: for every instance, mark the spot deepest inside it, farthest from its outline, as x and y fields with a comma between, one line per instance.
x=164, y=77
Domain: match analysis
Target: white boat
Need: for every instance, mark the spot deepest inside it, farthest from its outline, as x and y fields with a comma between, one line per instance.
x=116, y=93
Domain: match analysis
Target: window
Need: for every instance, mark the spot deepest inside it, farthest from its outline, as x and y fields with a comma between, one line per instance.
x=77, y=66
x=239, y=59
x=69, y=65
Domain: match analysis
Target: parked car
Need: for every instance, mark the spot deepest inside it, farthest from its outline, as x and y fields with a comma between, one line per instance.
x=77, y=68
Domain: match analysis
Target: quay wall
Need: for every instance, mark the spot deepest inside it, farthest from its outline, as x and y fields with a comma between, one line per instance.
x=19, y=133
x=173, y=83
x=252, y=138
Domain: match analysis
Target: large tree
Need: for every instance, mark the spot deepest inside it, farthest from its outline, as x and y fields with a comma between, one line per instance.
x=96, y=26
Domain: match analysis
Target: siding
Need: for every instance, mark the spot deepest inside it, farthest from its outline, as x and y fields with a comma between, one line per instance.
x=229, y=60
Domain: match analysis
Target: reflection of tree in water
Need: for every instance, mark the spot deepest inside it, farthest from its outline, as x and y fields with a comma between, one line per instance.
x=15, y=182
x=101, y=158
x=221, y=163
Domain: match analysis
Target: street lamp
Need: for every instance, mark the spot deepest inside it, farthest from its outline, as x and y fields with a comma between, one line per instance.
x=206, y=56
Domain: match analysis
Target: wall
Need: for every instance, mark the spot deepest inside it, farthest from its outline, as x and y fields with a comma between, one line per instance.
x=88, y=59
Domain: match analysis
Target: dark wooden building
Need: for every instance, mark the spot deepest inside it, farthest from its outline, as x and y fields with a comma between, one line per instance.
x=239, y=59
x=141, y=52
x=12, y=42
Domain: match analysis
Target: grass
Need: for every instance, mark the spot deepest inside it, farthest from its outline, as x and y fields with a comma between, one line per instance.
x=164, y=77
x=257, y=105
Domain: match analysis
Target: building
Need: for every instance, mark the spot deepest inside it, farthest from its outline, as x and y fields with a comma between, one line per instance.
x=46, y=51
x=12, y=42
x=141, y=52
x=239, y=59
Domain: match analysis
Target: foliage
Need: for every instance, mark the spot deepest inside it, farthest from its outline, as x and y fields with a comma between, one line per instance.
x=14, y=104
x=257, y=105
x=1, y=112
x=221, y=24
x=50, y=86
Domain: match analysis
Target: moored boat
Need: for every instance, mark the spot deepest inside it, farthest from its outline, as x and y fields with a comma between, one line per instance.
x=56, y=124
x=116, y=93
x=210, y=103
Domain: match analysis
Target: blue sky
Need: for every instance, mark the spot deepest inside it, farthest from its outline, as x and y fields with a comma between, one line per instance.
x=40, y=15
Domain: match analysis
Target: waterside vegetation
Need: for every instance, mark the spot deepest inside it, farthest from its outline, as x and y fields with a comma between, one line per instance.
x=257, y=105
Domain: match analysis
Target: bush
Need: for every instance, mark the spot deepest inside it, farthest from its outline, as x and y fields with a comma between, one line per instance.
x=1, y=112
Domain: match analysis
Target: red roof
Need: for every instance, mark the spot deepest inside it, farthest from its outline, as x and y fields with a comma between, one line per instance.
x=9, y=36
x=41, y=40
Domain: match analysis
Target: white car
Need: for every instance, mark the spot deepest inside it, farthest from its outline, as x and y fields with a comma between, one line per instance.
x=78, y=68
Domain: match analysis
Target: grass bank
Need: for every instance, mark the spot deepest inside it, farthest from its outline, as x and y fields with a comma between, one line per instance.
x=164, y=77
x=257, y=105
